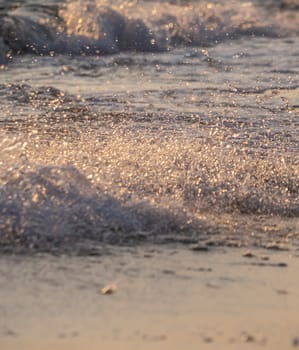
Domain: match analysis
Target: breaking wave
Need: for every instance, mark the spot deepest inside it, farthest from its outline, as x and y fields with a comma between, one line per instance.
x=203, y=149
x=101, y=27
x=127, y=189
x=52, y=204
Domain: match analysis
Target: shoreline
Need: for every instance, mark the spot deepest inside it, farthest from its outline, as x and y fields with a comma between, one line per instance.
x=163, y=298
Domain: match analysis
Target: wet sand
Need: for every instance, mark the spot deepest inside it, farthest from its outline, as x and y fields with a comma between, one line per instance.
x=166, y=298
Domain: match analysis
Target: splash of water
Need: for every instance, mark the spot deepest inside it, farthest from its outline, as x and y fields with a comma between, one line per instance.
x=101, y=27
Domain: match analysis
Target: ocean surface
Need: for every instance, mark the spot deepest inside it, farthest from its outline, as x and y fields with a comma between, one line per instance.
x=124, y=122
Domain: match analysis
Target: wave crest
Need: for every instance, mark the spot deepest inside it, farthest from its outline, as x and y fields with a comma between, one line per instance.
x=98, y=27
x=128, y=189
x=49, y=206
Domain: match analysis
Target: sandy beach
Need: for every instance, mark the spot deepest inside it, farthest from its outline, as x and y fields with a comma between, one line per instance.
x=166, y=298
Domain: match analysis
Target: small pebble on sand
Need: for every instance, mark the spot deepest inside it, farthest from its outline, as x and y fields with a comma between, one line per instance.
x=282, y=291
x=248, y=254
x=207, y=339
x=108, y=289
x=200, y=248
x=247, y=338
x=295, y=342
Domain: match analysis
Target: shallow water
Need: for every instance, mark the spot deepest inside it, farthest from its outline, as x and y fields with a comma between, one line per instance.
x=149, y=121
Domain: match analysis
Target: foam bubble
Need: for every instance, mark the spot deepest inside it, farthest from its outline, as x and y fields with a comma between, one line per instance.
x=128, y=188
x=55, y=205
